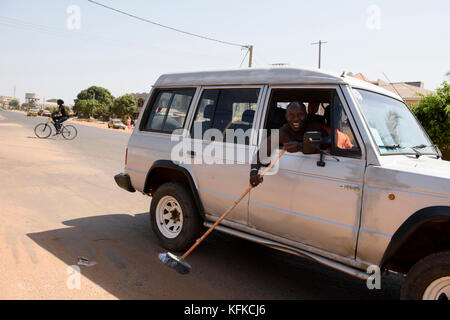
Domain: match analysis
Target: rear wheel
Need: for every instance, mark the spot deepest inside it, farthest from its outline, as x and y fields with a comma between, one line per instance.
x=43, y=130
x=428, y=279
x=69, y=132
x=173, y=217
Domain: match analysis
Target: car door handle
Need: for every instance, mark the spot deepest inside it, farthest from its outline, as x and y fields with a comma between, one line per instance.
x=190, y=153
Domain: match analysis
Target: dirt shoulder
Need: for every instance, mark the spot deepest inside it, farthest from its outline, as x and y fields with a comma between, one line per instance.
x=97, y=123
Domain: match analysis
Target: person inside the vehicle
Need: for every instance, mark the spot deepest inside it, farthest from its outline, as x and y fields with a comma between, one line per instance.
x=342, y=140
x=60, y=119
x=290, y=137
x=313, y=117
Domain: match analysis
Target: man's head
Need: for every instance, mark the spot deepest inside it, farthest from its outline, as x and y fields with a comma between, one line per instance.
x=59, y=102
x=296, y=116
x=313, y=107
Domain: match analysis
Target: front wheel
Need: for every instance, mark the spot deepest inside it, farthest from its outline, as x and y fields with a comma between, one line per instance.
x=428, y=279
x=174, y=218
x=43, y=130
x=69, y=132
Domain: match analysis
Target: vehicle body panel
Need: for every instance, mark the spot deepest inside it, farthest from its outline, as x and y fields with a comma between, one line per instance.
x=341, y=211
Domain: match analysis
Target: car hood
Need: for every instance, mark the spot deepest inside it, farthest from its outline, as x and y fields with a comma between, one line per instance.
x=425, y=174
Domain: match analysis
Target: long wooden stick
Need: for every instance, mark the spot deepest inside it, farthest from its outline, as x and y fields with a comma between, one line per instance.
x=231, y=208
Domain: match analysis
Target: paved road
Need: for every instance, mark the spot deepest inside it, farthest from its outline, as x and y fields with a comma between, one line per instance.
x=59, y=201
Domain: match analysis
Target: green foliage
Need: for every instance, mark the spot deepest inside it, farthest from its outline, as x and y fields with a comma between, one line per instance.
x=94, y=101
x=433, y=111
x=52, y=109
x=14, y=104
x=99, y=94
x=101, y=111
x=27, y=106
x=124, y=106
x=85, y=108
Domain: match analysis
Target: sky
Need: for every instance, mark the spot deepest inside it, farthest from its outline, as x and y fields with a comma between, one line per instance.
x=56, y=48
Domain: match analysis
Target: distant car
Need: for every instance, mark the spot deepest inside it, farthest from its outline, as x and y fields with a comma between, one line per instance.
x=32, y=112
x=116, y=124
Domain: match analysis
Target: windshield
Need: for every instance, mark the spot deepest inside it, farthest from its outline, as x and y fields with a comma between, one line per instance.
x=392, y=124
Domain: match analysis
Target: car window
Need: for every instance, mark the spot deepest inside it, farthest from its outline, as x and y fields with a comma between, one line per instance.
x=229, y=111
x=326, y=114
x=169, y=110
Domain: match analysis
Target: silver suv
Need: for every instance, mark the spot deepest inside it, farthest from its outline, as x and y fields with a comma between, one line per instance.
x=377, y=195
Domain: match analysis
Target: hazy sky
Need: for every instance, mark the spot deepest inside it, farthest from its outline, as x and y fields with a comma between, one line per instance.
x=408, y=40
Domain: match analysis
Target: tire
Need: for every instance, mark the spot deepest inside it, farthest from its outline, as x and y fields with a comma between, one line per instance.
x=43, y=130
x=428, y=279
x=69, y=132
x=183, y=232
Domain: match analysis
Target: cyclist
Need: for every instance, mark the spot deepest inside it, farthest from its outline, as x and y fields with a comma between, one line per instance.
x=60, y=119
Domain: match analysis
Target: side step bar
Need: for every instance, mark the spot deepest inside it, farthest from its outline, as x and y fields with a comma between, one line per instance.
x=289, y=249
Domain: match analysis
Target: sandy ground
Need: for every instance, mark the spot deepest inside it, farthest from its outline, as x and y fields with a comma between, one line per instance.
x=59, y=201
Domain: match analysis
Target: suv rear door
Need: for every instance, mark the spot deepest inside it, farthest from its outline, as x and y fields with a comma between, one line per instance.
x=221, y=168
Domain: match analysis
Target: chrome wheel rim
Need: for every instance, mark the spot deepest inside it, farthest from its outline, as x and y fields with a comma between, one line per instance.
x=439, y=289
x=169, y=217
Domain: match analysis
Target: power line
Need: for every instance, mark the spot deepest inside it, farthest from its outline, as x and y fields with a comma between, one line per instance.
x=170, y=28
x=246, y=53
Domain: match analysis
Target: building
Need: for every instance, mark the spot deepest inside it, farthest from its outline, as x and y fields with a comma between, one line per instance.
x=409, y=91
x=4, y=101
x=32, y=98
x=140, y=97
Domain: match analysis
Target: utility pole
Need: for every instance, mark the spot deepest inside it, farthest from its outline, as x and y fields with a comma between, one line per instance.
x=320, y=50
x=250, y=57
x=14, y=91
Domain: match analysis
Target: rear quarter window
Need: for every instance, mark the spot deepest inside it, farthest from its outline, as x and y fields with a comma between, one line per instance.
x=167, y=110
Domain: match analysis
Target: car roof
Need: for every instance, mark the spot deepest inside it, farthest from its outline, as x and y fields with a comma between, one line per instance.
x=267, y=76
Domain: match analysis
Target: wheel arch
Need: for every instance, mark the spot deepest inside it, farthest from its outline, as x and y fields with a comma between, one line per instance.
x=167, y=171
x=425, y=232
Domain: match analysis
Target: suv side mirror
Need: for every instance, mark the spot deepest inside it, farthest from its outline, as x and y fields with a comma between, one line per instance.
x=311, y=142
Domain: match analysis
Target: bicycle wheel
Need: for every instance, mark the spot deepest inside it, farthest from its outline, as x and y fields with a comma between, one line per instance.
x=42, y=130
x=69, y=132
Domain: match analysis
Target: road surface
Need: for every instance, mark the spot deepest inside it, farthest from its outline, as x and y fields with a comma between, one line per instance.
x=59, y=201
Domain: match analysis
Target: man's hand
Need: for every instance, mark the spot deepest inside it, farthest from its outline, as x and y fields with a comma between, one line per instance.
x=292, y=146
x=255, y=178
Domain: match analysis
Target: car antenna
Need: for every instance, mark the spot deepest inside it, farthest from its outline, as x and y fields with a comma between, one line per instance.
x=391, y=84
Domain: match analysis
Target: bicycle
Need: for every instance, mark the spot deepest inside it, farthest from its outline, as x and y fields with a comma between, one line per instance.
x=44, y=130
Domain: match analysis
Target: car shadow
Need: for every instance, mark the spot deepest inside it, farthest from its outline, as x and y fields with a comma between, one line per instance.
x=123, y=251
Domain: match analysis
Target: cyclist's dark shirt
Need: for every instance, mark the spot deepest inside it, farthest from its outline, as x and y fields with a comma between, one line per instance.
x=63, y=111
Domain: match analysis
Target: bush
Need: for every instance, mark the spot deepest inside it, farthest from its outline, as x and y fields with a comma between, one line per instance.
x=124, y=106
x=433, y=111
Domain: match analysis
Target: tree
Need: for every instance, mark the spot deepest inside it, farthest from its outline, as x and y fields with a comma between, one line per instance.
x=85, y=108
x=14, y=104
x=124, y=106
x=27, y=106
x=99, y=94
x=433, y=111
x=93, y=101
x=101, y=111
